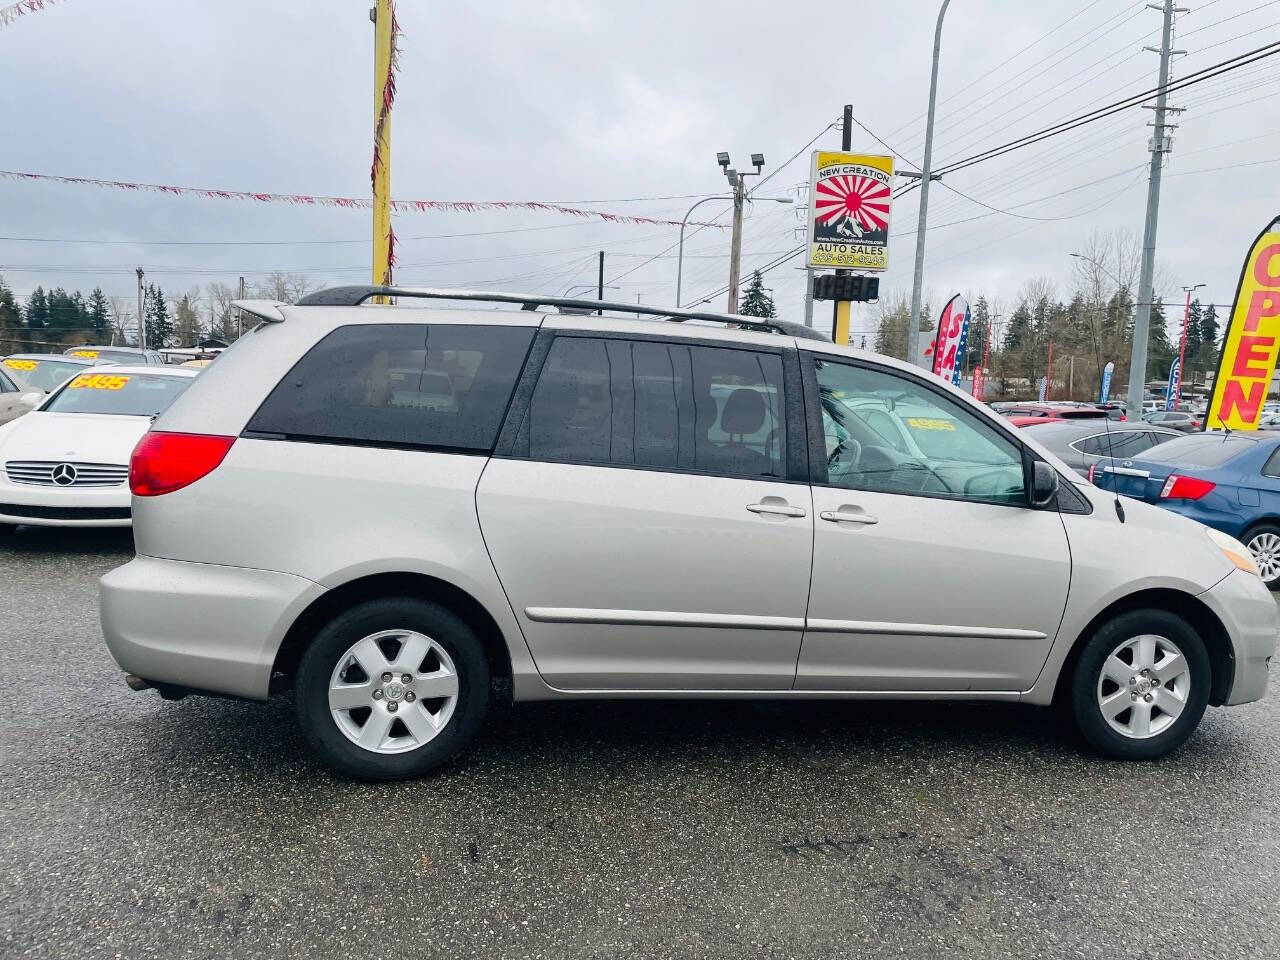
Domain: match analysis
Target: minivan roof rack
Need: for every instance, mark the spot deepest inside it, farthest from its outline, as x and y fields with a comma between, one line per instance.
x=351, y=296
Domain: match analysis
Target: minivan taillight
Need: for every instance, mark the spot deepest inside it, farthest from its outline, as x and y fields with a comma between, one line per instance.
x=164, y=462
x=1185, y=488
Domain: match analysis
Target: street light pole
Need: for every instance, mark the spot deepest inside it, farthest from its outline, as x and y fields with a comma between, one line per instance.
x=1182, y=351
x=913, y=332
x=685, y=221
x=680, y=256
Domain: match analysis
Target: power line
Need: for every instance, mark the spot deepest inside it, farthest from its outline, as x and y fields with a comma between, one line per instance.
x=1092, y=116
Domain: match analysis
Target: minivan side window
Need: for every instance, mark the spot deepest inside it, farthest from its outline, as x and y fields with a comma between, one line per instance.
x=441, y=386
x=670, y=406
x=951, y=451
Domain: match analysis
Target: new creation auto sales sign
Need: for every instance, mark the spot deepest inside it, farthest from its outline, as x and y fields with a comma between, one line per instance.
x=1250, y=345
x=849, y=198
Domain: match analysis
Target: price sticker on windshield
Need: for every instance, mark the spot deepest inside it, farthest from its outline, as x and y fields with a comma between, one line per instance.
x=929, y=423
x=97, y=381
x=22, y=364
x=87, y=354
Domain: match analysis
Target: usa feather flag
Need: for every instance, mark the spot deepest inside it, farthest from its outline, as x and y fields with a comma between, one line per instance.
x=952, y=338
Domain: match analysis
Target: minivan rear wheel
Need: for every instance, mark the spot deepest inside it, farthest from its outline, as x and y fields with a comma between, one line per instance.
x=1141, y=685
x=392, y=688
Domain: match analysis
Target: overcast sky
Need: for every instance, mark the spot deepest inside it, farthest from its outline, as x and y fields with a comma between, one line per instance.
x=598, y=104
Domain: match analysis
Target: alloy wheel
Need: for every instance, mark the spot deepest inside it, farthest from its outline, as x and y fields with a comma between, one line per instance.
x=1143, y=686
x=1265, y=548
x=393, y=691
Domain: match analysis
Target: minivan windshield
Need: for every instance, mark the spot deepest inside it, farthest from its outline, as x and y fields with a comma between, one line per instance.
x=123, y=394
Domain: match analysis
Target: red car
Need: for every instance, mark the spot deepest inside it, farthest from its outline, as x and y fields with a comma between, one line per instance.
x=1058, y=411
x=1025, y=421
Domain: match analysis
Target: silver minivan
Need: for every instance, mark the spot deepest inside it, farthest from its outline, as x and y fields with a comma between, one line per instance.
x=403, y=513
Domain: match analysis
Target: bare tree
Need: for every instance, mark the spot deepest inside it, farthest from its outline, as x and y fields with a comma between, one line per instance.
x=225, y=324
x=124, y=320
x=285, y=287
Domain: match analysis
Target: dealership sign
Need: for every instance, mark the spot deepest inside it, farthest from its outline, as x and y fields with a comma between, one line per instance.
x=1249, y=346
x=849, y=199
x=951, y=339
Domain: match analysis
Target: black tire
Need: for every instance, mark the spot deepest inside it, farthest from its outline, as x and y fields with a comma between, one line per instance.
x=7, y=529
x=1084, y=685
x=1274, y=530
x=311, y=690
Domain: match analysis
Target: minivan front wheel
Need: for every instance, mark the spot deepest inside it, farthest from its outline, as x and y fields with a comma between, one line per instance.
x=392, y=688
x=1141, y=685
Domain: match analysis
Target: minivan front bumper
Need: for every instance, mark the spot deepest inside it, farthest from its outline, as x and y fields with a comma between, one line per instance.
x=1245, y=606
x=200, y=626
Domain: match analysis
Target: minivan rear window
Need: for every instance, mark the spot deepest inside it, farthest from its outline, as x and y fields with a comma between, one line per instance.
x=443, y=386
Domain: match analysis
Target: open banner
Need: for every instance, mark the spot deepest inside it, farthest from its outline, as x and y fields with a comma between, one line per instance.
x=1250, y=343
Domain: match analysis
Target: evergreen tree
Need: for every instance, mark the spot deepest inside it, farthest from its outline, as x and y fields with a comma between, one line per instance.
x=1019, y=333
x=159, y=326
x=1160, y=351
x=1209, y=338
x=66, y=312
x=1193, y=339
x=98, y=316
x=37, y=312
x=187, y=322
x=10, y=315
x=979, y=330
x=756, y=301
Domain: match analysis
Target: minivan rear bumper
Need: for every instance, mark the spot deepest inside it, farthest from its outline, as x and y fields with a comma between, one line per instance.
x=200, y=626
x=1248, y=611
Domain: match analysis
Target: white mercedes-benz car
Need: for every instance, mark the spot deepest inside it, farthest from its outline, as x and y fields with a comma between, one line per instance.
x=67, y=462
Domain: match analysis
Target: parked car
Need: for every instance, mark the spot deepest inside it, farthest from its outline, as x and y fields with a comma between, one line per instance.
x=1228, y=481
x=616, y=507
x=1082, y=443
x=1269, y=421
x=1115, y=409
x=1173, y=420
x=1060, y=411
x=67, y=462
x=1022, y=421
x=115, y=354
x=44, y=371
x=16, y=396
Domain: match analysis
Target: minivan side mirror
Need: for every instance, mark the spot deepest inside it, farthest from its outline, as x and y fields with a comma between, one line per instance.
x=31, y=400
x=1044, y=484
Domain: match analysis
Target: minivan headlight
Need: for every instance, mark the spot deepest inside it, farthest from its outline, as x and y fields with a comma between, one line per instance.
x=1233, y=550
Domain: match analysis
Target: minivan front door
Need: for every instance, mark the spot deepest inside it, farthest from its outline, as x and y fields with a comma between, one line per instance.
x=929, y=571
x=643, y=521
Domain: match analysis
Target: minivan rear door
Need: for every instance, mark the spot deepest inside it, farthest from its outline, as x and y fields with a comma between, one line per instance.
x=647, y=513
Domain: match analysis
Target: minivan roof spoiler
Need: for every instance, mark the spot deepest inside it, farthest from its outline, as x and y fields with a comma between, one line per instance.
x=351, y=296
x=268, y=310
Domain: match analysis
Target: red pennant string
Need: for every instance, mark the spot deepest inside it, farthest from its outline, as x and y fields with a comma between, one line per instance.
x=361, y=203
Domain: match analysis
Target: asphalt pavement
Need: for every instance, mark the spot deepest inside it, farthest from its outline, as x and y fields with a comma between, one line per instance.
x=132, y=827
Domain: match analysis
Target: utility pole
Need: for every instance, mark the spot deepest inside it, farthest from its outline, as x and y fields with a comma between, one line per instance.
x=239, y=312
x=1159, y=146
x=142, y=322
x=808, y=297
x=926, y=174
x=600, y=284
x=739, y=183
x=735, y=251
x=842, y=308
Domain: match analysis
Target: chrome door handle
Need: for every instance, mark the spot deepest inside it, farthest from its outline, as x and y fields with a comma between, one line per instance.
x=842, y=516
x=782, y=509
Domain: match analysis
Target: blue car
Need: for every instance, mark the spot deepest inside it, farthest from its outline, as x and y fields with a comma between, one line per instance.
x=1228, y=481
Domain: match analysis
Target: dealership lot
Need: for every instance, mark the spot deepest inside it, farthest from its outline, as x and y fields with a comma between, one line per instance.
x=139, y=828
